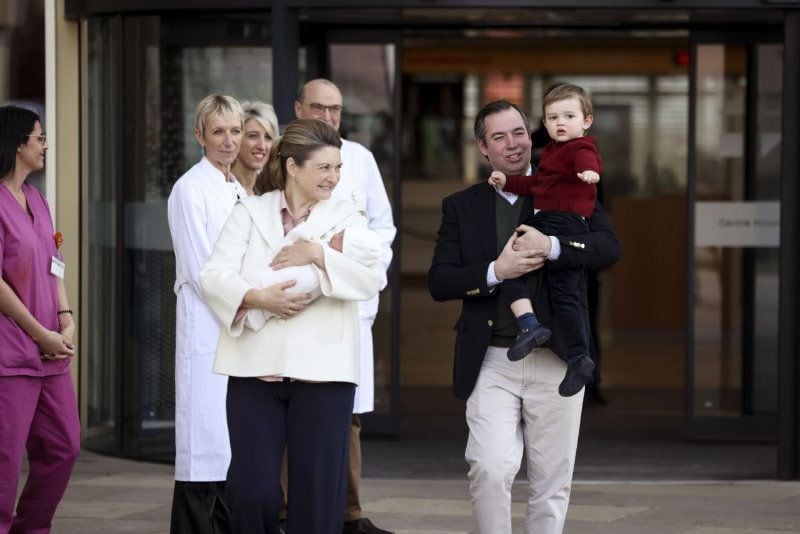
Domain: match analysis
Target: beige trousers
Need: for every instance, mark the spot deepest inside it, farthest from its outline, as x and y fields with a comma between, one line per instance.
x=516, y=405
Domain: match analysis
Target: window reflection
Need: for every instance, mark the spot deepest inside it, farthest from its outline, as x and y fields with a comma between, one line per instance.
x=736, y=288
x=22, y=66
x=365, y=74
x=101, y=343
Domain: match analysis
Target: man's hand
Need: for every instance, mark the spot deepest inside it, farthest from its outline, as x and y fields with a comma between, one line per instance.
x=590, y=177
x=530, y=239
x=497, y=179
x=513, y=263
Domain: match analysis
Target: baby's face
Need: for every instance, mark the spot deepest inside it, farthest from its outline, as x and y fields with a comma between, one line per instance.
x=565, y=121
x=337, y=241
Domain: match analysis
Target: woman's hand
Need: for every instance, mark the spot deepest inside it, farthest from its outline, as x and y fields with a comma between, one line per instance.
x=276, y=300
x=68, y=331
x=54, y=346
x=299, y=253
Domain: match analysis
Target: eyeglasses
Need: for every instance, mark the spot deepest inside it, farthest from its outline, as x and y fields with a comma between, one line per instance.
x=41, y=137
x=320, y=109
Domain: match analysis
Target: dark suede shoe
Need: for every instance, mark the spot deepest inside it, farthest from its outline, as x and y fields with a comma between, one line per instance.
x=579, y=373
x=527, y=340
x=362, y=526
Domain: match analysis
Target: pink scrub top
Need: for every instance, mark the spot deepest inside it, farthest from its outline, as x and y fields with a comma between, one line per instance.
x=27, y=247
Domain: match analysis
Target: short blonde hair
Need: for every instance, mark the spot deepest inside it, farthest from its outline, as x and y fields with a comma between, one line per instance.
x=224, y=105
x=264, y=114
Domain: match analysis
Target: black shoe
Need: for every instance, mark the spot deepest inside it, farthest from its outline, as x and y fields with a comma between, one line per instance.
x=362, y=526
x=527, y=340
x=579, y=373
x=282, y=527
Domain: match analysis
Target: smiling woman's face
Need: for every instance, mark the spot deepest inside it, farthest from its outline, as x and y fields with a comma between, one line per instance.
x=256, y=144
x=31, y=154
x=316, y=179
x=221, y=139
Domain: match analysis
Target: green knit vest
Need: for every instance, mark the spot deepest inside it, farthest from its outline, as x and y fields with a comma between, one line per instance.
x=507, y=217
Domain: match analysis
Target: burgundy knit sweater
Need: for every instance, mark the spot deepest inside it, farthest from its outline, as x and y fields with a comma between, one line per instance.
x=556, y=186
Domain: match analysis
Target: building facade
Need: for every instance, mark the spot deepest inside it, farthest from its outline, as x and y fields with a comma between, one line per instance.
x=695, y=115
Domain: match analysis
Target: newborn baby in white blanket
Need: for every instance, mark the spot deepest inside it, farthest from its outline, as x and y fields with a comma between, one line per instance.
x=356, y=243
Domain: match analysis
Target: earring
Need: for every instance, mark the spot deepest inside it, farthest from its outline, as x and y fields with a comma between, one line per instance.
x=202, y=151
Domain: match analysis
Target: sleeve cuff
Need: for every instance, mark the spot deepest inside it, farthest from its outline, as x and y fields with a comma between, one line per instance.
x=555, y=249
x=491, y=277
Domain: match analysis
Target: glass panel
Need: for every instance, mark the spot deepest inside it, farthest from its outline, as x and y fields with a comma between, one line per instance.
x=641, y=116
x=101, y=345
x=173, y=71
x=365, y=73
x=767, y=187
x=22, y=63
x=721, y=78
x=243, y=72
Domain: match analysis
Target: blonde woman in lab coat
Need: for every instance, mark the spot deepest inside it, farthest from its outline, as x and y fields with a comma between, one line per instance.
x=198, y=206
x=292, y=378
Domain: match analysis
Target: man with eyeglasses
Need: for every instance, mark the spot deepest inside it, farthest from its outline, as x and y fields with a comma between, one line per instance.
x=361, y=184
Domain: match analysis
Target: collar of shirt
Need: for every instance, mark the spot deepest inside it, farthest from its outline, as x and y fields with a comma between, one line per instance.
x=510, y=197
x=288, y=219
x=230, y=179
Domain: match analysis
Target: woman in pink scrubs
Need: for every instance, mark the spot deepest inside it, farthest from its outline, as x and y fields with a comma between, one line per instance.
x=38, y=410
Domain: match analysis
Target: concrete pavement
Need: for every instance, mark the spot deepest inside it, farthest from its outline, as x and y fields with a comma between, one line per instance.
x=110, y=495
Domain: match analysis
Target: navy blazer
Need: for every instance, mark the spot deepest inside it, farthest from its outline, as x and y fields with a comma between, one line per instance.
x=467, y=244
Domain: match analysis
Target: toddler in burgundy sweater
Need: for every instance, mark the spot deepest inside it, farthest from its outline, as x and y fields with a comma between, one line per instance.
x=563, y=194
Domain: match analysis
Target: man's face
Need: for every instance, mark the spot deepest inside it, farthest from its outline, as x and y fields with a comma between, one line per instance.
x=321, y=101
x=507, y=143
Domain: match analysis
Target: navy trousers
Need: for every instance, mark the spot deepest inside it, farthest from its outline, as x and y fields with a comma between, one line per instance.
x=312, y=421
x=566, y=286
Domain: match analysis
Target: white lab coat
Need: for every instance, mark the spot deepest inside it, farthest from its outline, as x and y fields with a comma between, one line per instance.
x=198, y=207
x=361, y=184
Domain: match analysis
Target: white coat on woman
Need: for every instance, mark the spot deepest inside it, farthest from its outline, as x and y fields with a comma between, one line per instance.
x=198, y=206
x=362, y=185
x=321, y=342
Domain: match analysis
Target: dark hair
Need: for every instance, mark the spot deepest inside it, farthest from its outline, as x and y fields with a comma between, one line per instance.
x=565, y=91
x=496, y=107
x=301, y=139
x=16, y=124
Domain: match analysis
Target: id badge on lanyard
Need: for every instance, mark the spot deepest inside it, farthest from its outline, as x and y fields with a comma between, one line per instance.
x=57, y=267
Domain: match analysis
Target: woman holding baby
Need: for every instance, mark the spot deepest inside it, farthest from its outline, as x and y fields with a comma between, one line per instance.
x=292, y=367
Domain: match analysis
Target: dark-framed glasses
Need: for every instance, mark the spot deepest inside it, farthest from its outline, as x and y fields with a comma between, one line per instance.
x=320, y=109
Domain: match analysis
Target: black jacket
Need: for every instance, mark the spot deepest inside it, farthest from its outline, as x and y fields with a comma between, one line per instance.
x=467, y=244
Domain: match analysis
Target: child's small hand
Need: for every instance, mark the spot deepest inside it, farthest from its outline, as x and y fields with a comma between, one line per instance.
x=497, y=179
x=590, y=177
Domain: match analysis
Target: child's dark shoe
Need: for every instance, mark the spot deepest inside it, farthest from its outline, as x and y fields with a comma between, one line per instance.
x=527, y=340
x=579, y=373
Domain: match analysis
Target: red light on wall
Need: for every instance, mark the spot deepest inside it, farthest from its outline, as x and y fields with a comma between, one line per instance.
x=682, y=58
